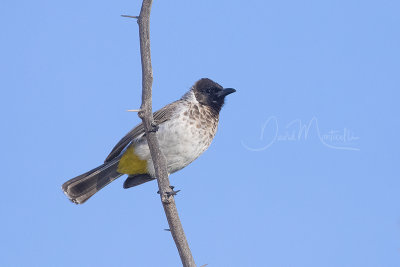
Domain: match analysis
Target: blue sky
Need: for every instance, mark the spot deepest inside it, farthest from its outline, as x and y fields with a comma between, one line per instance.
x=303, y=170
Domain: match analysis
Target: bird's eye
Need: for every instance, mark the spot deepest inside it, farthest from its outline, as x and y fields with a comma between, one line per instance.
x=208, y=90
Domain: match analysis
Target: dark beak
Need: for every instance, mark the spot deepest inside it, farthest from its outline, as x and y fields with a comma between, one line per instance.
x=225, y=92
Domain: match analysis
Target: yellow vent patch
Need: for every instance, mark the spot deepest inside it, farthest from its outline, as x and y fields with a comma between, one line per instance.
x=130, y=163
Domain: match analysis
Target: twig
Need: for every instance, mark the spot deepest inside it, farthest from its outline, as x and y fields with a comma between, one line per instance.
x=157, y=156
x=128, y=16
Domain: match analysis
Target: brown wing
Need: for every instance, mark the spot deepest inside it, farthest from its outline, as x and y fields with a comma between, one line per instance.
x=159, y=116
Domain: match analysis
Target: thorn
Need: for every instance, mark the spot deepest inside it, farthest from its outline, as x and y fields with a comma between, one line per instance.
x=128, y=16
x=133, y=110
x=169, y=230
x=172, y=193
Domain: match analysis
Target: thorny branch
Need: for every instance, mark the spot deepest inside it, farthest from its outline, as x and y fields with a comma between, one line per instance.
x=145, y=113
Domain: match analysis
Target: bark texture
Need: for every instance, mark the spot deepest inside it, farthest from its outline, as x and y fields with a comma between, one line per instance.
x=160, y=164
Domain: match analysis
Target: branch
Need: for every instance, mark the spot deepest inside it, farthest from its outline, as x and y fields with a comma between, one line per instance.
x=160, y=163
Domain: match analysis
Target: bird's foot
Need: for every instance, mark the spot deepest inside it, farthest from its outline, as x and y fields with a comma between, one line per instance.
x=154, y=127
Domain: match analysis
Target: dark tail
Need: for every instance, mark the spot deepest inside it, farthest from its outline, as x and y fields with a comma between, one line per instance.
x=138, y=179
x=82, y=187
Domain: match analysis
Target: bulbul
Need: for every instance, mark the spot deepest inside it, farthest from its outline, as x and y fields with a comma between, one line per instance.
x=186, y=128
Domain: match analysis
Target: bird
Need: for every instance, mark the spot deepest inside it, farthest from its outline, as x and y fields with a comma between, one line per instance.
x=184, y=129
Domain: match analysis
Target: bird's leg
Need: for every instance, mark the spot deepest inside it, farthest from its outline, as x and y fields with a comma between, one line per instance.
x=154, y=127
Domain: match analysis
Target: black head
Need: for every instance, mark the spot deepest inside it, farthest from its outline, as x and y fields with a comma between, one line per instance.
x=210, y=93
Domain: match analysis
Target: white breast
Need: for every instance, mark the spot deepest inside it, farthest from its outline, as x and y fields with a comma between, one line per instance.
x=182, y=139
